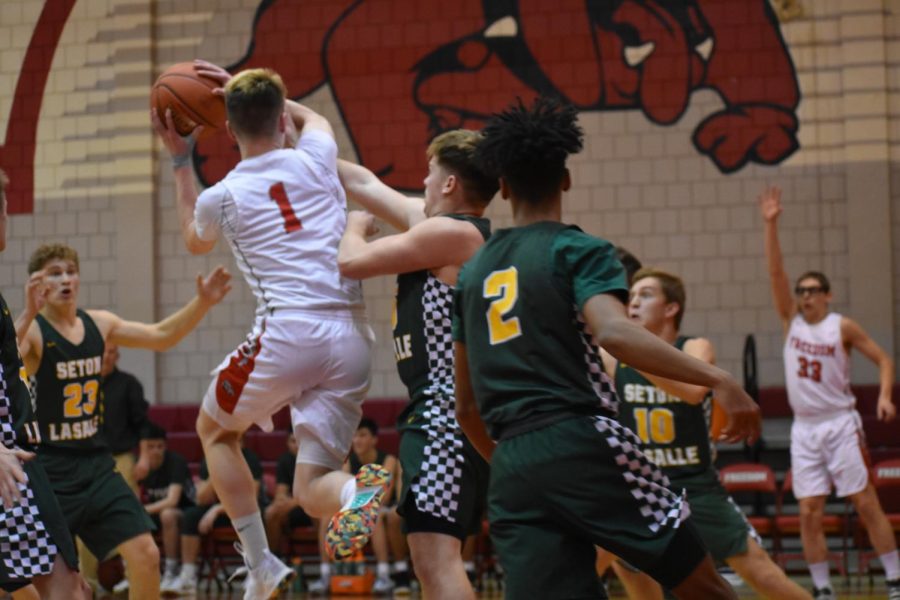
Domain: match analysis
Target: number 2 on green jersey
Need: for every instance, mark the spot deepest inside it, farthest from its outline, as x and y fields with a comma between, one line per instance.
x=504, y=286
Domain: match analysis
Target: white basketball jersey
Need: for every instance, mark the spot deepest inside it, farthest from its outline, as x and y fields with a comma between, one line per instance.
x=284, y=213
x=816, y=368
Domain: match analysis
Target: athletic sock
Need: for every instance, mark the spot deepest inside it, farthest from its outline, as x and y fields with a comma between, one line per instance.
x=382, y=569
x=400, y=566
x=325, y=570
x=252, y=532
x=347, y=493
x=171, y=566
x=821, y=575
x=891, y=564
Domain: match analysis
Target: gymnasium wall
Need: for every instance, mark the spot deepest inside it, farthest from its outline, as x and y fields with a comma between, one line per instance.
x=671, y=166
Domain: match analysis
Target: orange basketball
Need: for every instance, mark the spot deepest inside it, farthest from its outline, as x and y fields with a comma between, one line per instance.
x=190, y=97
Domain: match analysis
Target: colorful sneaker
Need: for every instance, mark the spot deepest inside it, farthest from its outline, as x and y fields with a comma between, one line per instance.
x=267, y=579
x=893, y=588
x=824, y=593
x=352, y=526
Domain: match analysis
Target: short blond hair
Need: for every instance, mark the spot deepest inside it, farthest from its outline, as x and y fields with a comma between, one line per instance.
x=455, y=151
x=254, y=99
x=47, y=252
x=672, y=288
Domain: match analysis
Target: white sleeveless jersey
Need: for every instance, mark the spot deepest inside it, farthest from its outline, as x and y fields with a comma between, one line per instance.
x=816, y=368
x=283, y=214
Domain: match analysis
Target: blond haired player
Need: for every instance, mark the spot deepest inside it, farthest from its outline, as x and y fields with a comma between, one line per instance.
x=282, y=212
x=827, y=441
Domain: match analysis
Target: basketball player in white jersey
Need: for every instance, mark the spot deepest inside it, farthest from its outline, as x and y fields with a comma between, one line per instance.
x=827, y=445
x=282, y=211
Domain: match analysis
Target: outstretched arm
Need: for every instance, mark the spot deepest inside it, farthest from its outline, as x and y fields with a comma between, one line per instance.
x=642, y=350
x=168, y=332
x=389, y=205
x=467, y=414
x=770, y=208
x=856, y=337
x=432, y=244
x=699, y=348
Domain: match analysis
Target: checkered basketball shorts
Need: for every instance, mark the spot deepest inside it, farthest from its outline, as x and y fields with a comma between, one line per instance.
x=26, y=549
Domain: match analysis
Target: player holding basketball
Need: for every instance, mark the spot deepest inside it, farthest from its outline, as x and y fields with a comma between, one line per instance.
x=282, y=211
x=827, y=441
x=672, y=420
x=37, y=556
x=444, y=478
x=565, y=476
x=62, y=347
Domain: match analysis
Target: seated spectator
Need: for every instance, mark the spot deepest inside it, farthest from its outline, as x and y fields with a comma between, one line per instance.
x=284, y=514
x=168, y=489
x=201, y=519
x=364, y=451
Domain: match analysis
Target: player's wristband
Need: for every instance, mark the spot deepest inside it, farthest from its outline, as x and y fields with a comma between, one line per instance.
x=184, y=159
x=181, y=160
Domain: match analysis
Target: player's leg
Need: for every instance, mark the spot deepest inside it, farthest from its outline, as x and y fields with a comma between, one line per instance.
x=761, y=573
x=638, y=585
x=63, y=583
x=170, y=520
x=812, y=485
x=141, y=558
x=849, y=464
x=439, y=567
x=28, y=592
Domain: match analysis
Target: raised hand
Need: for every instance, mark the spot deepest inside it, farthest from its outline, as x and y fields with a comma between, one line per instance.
x=208, y=69
x=12, y=474
x=215, y=286
x=36, y=291
x=174, y=143
x=770, y=203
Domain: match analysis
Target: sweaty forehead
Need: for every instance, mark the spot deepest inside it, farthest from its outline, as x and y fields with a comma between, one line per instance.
x=61, y=263
x=646, y=284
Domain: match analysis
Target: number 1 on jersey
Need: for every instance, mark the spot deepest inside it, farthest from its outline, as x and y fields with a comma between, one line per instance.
x=503, y=285
x=279, y=195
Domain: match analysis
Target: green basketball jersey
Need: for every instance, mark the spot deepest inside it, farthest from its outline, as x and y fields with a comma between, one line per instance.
x=68, y=398
x=675, y=433
x=423, y=344
x=17, y=424
x=518, y=307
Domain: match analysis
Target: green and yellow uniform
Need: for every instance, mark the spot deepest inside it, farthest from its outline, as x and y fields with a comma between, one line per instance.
x=675, y=436
x=444, y=478
x=565, y=474
x=34, y=531
x=99, y=506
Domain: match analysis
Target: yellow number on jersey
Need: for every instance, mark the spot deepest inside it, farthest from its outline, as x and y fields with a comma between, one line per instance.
x=503, y=285
x=657, y=426
x=80, y=400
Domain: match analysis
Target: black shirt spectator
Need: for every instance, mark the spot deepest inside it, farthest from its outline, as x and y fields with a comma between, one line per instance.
x=124, y=411
x=174, y=469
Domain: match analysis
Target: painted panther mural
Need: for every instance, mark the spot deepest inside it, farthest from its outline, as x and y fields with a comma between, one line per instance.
x=402, y=71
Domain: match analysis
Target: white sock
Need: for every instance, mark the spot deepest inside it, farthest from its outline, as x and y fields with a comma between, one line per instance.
x=382, y=570
x=821, y=574
x=891, y=564
x=325, y=570
x=171, y=566
x=189, y=571
x=400, y=566
x=347, y=493
x=253, y=537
